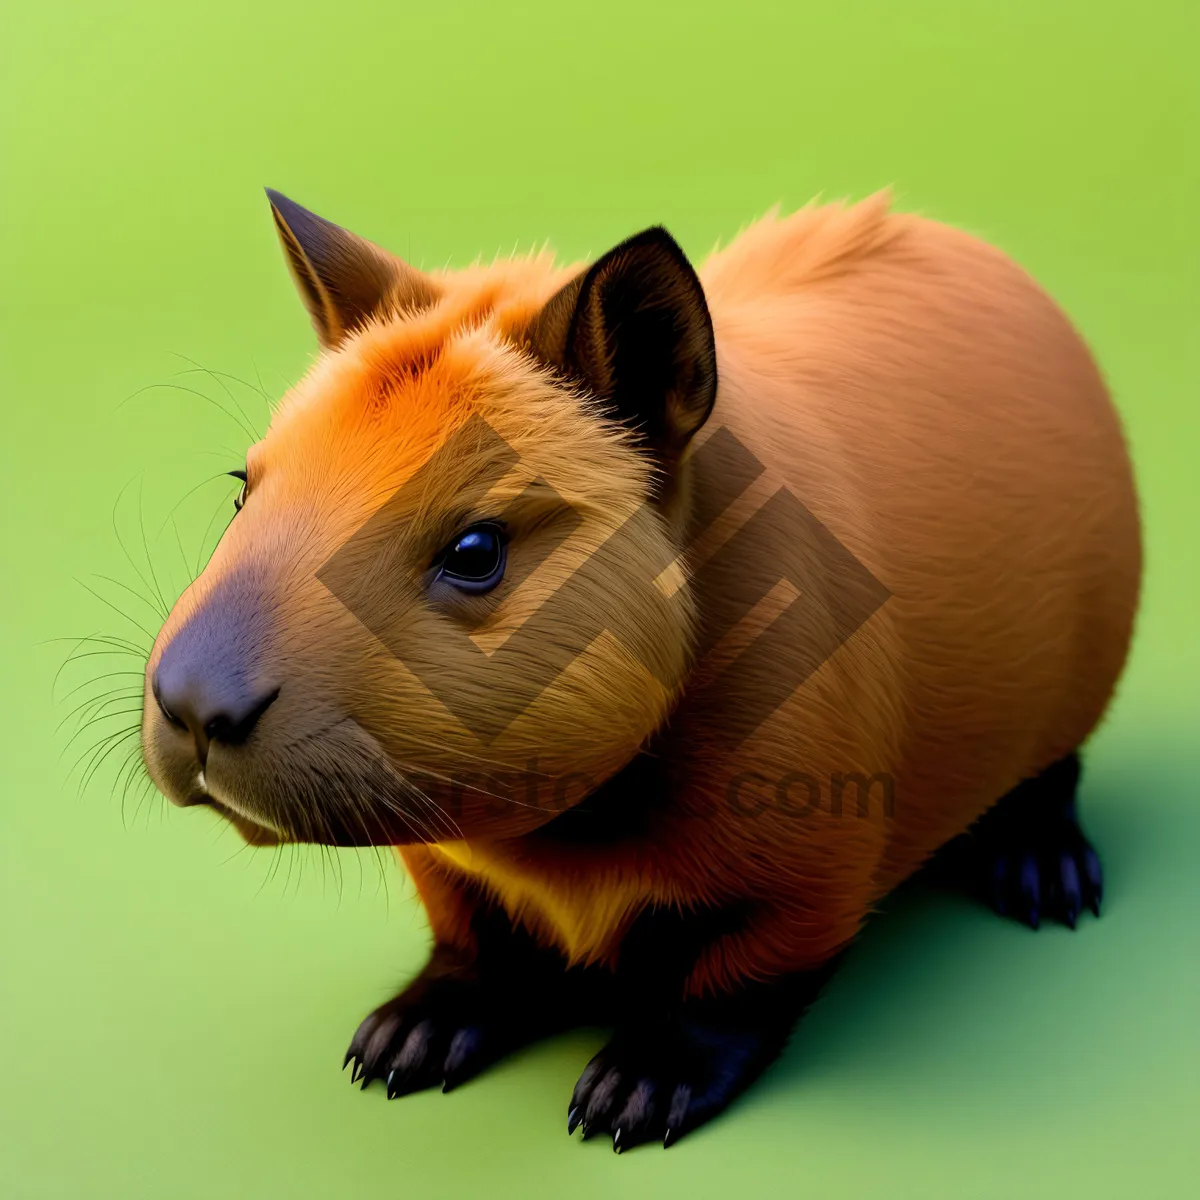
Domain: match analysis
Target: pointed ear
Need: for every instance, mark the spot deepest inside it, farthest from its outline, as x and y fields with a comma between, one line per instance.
x=635, y=330
x=343, y=279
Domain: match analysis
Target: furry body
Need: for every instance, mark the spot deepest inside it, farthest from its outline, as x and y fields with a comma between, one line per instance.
x=917, y=395
x=936, y=412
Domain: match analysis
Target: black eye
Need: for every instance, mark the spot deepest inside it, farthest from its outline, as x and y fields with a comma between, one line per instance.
x=474, y=561
x=240, y=498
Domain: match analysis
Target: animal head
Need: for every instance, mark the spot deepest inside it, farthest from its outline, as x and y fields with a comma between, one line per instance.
x=449, y=601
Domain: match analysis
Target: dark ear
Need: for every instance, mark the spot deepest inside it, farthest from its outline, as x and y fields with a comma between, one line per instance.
x=634, y=329
x=342, y=279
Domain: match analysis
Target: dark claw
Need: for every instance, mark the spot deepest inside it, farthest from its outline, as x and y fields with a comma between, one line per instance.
x=405, y=1084
x=358, y=1072
x=346, y=1060
x=1095, y=878
x=1071, y=894
x=1030, y=891
x=464, y=1052
x=640, y=1118
x=573, y=1119
x=599, y=1111
x=617, y=1140
x=669, y=1139
x=463, y=1045
x=677, y=1116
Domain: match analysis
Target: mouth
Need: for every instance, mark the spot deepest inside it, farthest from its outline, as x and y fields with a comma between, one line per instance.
x=332, y=786
x=252, y=829
x=336, y=786
x=253, y=833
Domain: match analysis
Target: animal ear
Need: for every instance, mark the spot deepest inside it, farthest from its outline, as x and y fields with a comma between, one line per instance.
x=343, y=279
x=635, y=330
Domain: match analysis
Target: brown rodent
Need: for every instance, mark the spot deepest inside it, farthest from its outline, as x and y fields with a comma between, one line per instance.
x=664, y=622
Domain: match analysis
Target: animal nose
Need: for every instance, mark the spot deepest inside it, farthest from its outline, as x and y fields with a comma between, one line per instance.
x=212, y=707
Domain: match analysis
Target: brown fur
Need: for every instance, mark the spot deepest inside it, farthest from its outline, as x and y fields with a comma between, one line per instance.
x=920, y=395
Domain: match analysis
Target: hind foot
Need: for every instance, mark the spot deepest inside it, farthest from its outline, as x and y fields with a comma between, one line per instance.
x=1030, y=859
x=1053, y=875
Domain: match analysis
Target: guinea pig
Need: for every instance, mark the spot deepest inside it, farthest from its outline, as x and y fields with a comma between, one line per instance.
x=664, y=621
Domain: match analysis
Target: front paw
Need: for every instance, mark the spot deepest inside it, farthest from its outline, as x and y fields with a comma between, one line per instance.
x=660, y=1083
x=439, y=1032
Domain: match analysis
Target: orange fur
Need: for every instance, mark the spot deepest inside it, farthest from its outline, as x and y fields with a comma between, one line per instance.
x=920, y=395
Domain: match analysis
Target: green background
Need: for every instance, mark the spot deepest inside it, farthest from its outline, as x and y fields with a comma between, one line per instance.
x=174, y=1011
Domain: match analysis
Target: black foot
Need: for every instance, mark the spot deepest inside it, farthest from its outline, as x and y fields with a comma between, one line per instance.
x=438, y=1032
x=460, y=1015
x=660, y=1086
x=659, y=1080
x=1030, y=859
